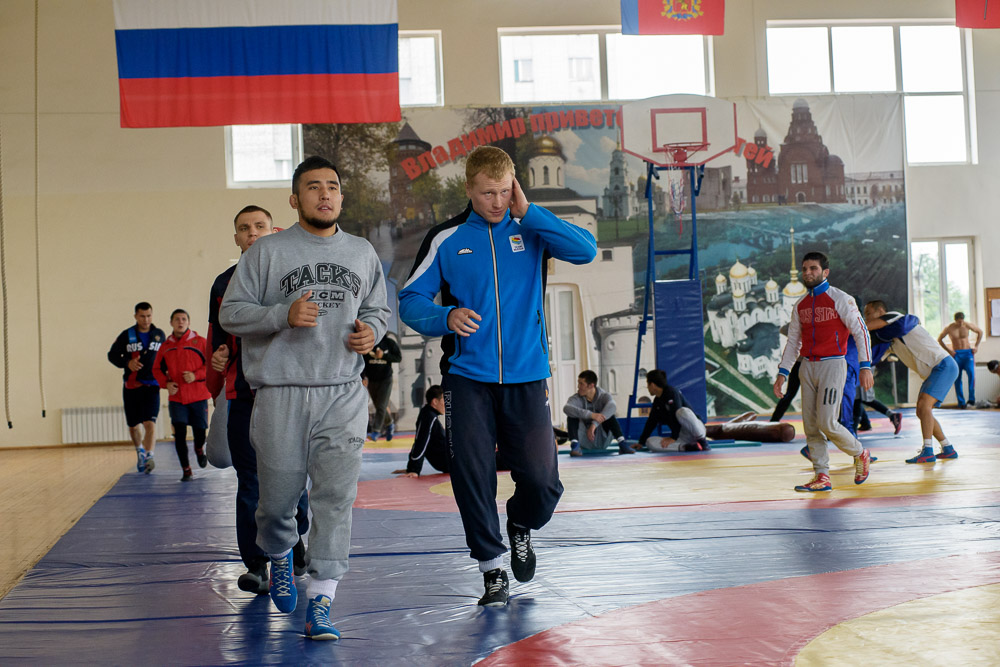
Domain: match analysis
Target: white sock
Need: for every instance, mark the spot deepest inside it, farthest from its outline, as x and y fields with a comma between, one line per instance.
x=283, y=554
x=620, y=439
x=494, y=564
x=929, y=443
x=327, y=587
x=945, y=443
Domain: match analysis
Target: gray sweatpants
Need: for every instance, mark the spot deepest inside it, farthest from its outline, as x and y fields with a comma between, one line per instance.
x=314, y=431
x=822, y=384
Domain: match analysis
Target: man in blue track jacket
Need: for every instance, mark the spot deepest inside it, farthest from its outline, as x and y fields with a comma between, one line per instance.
x=488, y=266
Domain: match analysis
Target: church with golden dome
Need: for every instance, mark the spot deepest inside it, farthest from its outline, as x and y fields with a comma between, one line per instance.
x=546, y=186
x=747, y=315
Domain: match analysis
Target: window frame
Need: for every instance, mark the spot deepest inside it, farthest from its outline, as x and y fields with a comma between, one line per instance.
x=439, y=62
x=232, y=184
x=602, y=31
x=944, y=310
x=968, y=79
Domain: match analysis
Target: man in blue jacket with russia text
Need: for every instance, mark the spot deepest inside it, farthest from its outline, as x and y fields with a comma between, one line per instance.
x=488, y=264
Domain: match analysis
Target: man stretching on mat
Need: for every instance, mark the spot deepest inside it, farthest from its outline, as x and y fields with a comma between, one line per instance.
x=307, y=304
x=821, y=322
x=488, y=265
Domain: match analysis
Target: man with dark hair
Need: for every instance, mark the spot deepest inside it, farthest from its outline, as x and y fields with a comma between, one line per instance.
x=488, y=266
x=591, y=419
x=134, y=351
x=378, y=370
x=180, y=368
x=964, y=353
x=671, y=409
x=251, y=223
x=915, y=347
x=821, y=322
x=430, y=442
x=308, y=303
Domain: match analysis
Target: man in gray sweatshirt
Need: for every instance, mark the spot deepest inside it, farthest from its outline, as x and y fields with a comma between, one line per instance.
x=308, y=304
x=590, y=418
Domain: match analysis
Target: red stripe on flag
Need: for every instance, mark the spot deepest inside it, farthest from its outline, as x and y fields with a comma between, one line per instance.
x=682, y=17
x=977, y=14
x=243, y=100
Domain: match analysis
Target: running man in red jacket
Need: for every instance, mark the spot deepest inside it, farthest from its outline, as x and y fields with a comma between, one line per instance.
x=821, y=323
x=180, y=369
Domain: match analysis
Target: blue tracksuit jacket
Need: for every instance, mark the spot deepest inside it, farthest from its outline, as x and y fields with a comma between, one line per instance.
x=497, y=270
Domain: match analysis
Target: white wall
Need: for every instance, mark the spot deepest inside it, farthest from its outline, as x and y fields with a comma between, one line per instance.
x=130, y=215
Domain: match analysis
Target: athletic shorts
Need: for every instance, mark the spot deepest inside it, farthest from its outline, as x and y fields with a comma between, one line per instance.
x=142, y=404
x=194, y=414
x=941, y=379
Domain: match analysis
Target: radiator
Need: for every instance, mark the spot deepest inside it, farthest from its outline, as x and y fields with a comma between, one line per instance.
x=987, y=385
x=102, y=424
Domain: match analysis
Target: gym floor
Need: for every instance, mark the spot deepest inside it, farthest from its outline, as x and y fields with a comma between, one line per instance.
x=653, y=559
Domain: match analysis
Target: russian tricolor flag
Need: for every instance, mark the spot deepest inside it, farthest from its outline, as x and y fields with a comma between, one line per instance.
x=240, y=62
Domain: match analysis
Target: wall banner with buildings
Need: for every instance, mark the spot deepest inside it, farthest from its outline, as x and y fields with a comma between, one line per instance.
x=823, y=173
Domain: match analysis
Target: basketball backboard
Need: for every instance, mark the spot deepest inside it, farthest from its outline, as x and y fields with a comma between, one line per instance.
x=678, y=130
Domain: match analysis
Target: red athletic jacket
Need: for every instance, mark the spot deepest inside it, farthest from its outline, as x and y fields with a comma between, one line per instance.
x=821, y=322
x=178, y=355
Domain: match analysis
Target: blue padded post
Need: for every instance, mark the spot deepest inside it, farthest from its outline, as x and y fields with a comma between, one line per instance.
x=680, y=339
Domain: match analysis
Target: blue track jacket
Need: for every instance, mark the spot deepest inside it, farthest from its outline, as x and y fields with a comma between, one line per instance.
x=498, y=271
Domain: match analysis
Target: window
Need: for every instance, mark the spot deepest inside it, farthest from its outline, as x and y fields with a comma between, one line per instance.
x=261, y=156
x=942, y=281
x=599, y=63
x=799, y=173
x=420, y=79
x=647, y=65
x=581, y=69
x=551, y=56
x=929, y=64
x=523, y=71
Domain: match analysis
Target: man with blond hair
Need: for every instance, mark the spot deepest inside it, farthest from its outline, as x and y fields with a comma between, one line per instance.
x=488, y=265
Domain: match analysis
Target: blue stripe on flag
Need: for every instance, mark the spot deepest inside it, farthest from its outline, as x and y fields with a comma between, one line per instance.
x=630, y=17
x=266, y=50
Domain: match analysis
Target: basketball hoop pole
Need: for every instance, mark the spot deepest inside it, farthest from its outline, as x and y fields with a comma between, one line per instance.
x=695, y=175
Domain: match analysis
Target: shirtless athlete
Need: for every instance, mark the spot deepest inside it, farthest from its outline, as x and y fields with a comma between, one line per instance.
x=964, y=353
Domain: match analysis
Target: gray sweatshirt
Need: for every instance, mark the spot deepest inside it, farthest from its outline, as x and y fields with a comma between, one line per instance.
x=579, y=407
x=345, y=276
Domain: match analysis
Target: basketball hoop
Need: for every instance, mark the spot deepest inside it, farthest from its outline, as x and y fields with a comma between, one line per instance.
x=680, y=151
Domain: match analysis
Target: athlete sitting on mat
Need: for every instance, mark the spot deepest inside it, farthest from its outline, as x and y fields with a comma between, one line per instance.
x=430, y=442
x=590, y=418
x=671, y=409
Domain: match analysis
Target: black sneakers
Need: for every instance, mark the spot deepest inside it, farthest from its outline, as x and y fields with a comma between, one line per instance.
x=522, y=556
x=202, y=457
x=254, y=580
x=299, y=558
x=496, y=589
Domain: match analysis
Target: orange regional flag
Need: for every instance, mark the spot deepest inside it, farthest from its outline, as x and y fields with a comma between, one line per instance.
x=977, y=13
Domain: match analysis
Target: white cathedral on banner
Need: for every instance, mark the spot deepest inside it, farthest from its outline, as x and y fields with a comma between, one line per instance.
x=748, y=315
